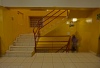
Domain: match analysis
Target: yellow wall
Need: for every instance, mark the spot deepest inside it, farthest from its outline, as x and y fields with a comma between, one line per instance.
x=62, y=30
x=83, y=34
x=12, y=24
x=95, y=31
x=5, y=30
x=23, y=19
x=87, y=33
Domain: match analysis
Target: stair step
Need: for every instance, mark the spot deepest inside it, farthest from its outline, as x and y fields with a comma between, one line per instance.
x=26, y=37
x=19, y=53
x=23, y=44
x=21, y=48
x=25, y=40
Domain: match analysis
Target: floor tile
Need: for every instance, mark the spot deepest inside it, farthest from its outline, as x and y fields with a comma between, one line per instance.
x=69, y=65
x=48, y=60
x=15, y=64
x=75, y=60
x=11, y=59
x=55, y=55
x=47, y=65
x=19, y=59
x=4, y=64
x=80, y=65
x=47, y=55
x=97, y=64
x=66, y=60
x=36, y=65
x=57, y=59
x=2, y=59
x=26, y=65
x=64, y=55
x=58, y=65
x=72, y=55
x=91, y=65
x=93, y=59
x=38, y=60
x=29, y=59
x=52, y=60
x=84, y=59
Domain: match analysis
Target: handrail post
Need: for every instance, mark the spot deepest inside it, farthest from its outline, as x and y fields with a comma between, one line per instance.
x=67, y=46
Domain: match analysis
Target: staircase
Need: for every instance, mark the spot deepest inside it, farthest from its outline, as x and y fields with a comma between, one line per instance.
x=51, y=21
x=23, y=46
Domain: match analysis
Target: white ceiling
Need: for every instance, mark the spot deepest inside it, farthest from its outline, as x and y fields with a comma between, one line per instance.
x=51, y=3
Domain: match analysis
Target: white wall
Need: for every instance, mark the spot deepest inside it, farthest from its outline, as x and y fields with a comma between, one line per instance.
x=52, y=3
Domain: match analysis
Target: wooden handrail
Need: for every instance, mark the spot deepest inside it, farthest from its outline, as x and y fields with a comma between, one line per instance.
x=67, y=46
x=53, y=19
x=52, y=15
x=46, y=15
x=53, y=41
x=61, y=48
x=56, y=36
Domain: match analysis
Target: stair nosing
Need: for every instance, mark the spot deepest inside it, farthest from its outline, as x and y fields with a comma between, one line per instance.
x=20, y=51
x=22, y=46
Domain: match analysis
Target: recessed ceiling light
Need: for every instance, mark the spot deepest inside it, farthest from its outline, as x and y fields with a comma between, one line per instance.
x=74, y=19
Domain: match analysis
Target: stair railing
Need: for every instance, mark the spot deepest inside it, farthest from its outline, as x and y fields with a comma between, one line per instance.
x=67, y=46
x=56, y=40
x=37, y=32
x=38, y=29
x=45, y=20
x=53, y=19
x=52, y=15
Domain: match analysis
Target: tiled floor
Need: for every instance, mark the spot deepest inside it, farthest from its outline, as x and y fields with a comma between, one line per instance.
x=52, y=60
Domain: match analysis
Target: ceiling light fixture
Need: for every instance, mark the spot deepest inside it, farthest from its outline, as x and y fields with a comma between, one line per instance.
x=74, y=19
